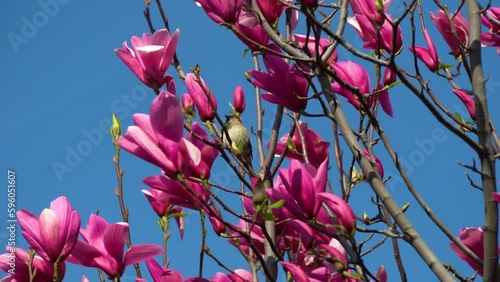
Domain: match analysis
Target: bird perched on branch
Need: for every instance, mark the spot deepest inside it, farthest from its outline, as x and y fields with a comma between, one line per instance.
x=240, y=139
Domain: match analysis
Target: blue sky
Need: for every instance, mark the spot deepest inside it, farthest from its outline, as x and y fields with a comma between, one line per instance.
x=62, y=81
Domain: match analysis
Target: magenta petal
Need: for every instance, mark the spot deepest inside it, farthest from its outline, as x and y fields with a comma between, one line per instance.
x=166, y=116
x=83, y=254
x=302, y=188
x=142, y=252
x=383, y=99
x=297, y=273
x=94, y=232
x=49, y=231
x=144, y=122
x=473, y=239
x=115, y=237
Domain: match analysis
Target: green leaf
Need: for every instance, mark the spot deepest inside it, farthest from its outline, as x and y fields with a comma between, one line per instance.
x=277, y=205
x=445, y=66
x=291, y=146
x=245, y=53
x=268, y=216
x=178, y=214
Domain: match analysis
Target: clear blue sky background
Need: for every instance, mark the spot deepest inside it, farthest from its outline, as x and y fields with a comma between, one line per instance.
x=64, y=81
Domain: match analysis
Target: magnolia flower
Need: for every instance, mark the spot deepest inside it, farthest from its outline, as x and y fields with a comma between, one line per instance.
x=285, y=83
x=188, y=105
x=352, y=74
x=428, y=56
x=311, y=43
x=316, y=147
x=207, y=109
x=150, y=56
x=473, y=238
x=250, y=32
x=162, y=274
x=208, y=152
x=103, y=244
x=380, y=167
x=44, y=269
x=221, y=11
x=344, y=214
x=467, y=100
x=271, y=9
x=492, y=37
x=176, y=193
x=368, y=18
x=444, y=27
x=299, y=186
x=157, y=137
x=239, y=99
x=159, y=201
x=53, y=235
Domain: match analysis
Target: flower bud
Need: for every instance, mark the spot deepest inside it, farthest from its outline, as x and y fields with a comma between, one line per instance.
x=239, y=99
x=188, y=105
x=207, y=108
x=115, y=129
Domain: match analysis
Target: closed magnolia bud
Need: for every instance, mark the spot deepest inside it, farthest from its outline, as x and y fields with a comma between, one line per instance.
x=205, y=102
x=188, y=105
x=389, y=77
x=116, y=128
x=239, y=99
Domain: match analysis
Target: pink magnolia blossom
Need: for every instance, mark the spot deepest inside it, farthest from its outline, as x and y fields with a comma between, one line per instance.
x=188, y=104
x=367, y=29
x=428, y=56
x=381, y=274
x=208, y=153
x=159, y=201
x=311, y=42
x=239, y=99
x=157, y=137
x=250, y=32
x=241, y=242
x=356, y=76
x=492, y=37
x=162, y=274
x=345, y=216
x=44, y=269
x=103, y=244
x=222, y=11
x=462, y=28
x=240, y=275
x=53, y=235
x=85, y=279
x=176, y=193
x=206, y=108
x=389, y=77
x=285, y=83
x=380, y=167
x=316, y=147
x=271, y=9
x=299, y=186
x=467, y=100
x=473, y=238
x=326, y=263
x=369, y=10
x=150, y=56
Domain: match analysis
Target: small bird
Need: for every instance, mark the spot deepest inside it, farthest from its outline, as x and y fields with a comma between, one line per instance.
x=240, y=139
